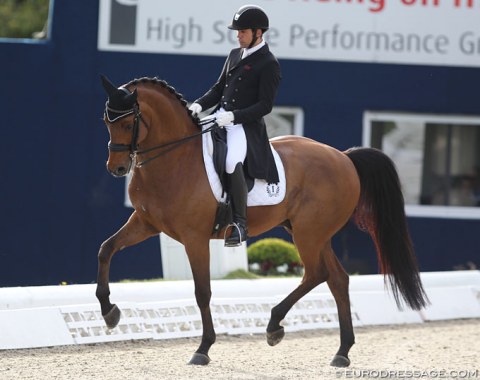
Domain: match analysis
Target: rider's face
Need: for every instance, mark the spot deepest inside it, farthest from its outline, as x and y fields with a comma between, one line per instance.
x=245, y=37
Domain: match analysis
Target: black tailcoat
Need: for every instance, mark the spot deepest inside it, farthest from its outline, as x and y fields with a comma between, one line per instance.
x=248, y=88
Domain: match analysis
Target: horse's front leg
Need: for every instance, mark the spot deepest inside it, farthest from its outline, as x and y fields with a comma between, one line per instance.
x=199, y=257
x=133, y=232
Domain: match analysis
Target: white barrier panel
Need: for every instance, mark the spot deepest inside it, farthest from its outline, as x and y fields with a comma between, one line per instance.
x=379, y=308
x=452, y=303
x=44, y=296
x=449, y=279
x=48, y=316
x=40, y=327
x=177, y=319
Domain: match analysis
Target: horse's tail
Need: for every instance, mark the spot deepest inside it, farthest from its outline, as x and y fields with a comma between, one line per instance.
x=381, y=212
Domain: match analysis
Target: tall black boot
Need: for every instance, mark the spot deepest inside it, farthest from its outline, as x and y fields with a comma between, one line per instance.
x=238, y=194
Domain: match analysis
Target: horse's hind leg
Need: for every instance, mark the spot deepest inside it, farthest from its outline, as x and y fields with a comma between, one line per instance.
x=320, y=265
x=315, y=273
x=133, y=232
x=338, y=283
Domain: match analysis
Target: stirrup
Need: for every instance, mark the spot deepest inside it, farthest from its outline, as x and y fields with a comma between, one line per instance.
x=234, y=243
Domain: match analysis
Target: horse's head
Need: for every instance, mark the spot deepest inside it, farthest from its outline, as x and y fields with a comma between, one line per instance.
x=122, y=117
x=132, y=140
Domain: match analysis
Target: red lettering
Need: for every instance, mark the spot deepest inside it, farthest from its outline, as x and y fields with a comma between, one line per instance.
x=458, y=3
x=374, y=5
x=425, y=3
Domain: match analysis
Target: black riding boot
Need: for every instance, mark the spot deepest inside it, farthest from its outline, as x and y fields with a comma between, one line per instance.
x=238, y=195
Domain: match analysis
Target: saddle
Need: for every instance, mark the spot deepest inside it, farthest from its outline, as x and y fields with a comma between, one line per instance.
x=260, y=193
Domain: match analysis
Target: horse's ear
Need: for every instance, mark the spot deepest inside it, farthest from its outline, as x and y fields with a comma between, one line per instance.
x=132, y=97
x=109, y=87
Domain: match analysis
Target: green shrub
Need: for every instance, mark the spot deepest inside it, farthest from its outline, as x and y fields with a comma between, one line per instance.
x=271, y=253
x=21, y=18
x=240, y=274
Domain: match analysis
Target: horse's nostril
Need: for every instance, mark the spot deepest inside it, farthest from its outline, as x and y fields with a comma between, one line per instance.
x=119, y=169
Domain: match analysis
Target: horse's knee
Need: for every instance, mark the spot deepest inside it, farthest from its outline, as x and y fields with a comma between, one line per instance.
x=105, y=251
x=203, y=297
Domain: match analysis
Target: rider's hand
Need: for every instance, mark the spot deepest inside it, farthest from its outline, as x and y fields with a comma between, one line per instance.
x=195, y=108
x=224, y=118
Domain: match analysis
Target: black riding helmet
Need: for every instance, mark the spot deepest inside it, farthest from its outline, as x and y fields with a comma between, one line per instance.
x=249, y=17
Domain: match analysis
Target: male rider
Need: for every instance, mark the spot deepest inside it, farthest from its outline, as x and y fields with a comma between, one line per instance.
x=243, y=94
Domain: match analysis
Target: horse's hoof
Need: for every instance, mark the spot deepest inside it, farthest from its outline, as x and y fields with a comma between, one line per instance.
x=340, y=361
x=273, y=338
x=112, y=317
x=199, y=359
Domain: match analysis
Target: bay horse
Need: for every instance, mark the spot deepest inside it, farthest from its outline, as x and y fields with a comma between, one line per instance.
x=154, y=134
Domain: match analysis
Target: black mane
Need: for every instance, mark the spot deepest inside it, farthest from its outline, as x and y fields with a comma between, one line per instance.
x=160, y=82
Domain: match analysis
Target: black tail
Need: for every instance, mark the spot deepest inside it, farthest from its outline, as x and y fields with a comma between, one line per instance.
x=381, y=212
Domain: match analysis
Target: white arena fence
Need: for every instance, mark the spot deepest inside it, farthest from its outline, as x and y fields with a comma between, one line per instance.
x=63, y=315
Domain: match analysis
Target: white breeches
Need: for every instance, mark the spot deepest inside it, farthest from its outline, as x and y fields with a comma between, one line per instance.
x=237, y=146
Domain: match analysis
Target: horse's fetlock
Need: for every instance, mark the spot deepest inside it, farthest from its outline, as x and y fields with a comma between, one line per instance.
x=102, y=293
x=274, y=312
x=211, y=339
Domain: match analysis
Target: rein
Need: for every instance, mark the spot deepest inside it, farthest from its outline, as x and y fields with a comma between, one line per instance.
x=133, y=146
x=172, y=144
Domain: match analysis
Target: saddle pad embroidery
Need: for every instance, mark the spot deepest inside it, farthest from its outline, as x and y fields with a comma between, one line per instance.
x=261, y=194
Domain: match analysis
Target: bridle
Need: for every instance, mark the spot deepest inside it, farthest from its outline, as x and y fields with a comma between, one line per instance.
x=133, y=146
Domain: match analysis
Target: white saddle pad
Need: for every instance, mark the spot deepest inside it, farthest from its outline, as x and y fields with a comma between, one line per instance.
x=261, y=194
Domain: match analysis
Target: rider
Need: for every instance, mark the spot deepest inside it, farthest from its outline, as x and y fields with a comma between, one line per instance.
x=243, y=94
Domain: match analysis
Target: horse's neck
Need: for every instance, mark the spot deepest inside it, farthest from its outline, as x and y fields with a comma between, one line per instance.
x=176, y=166
x=179, y=165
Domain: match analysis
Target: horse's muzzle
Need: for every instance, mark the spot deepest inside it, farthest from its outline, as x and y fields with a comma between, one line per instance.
x=119, y=170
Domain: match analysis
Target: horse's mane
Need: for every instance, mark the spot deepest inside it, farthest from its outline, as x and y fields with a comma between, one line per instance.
x=170, y=89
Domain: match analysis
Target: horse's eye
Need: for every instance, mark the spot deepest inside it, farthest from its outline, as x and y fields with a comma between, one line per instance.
x=128, y=127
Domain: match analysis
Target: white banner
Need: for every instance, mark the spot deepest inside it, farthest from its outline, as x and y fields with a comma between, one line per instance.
x=425, y=32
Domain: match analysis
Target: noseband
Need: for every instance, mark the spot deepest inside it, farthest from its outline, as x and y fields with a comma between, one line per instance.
x=133, y=146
